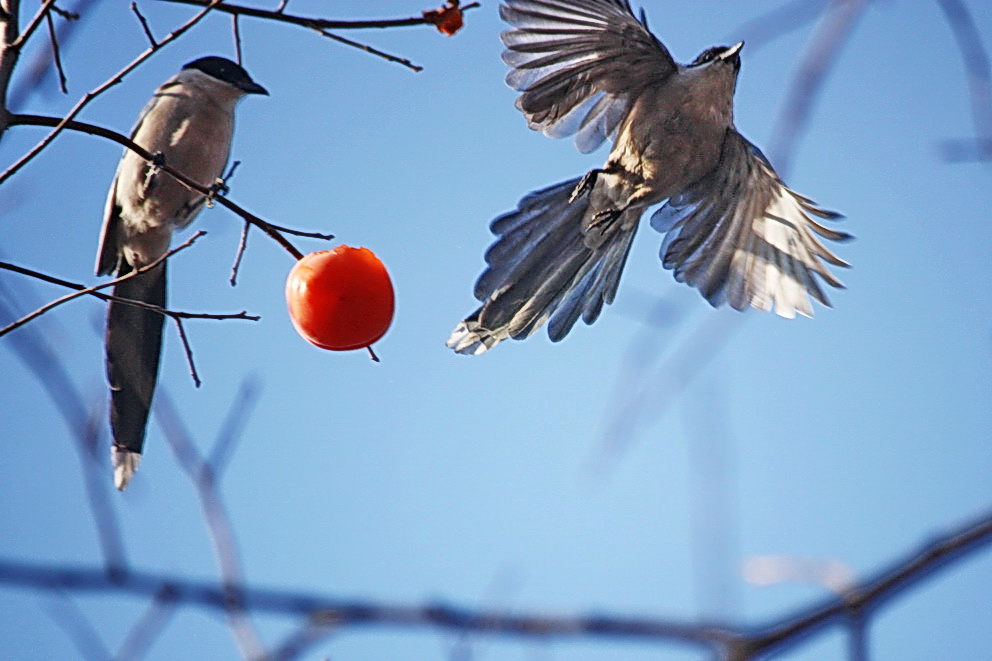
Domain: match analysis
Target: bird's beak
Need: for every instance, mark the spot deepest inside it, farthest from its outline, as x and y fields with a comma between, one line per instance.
x=254, y=88
x=730, y=52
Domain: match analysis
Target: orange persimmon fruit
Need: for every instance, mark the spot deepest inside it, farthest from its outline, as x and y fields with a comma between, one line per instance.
x=340, y=299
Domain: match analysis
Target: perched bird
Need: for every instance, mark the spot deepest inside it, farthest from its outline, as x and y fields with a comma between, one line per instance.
x=733, y=229
x=187, y=124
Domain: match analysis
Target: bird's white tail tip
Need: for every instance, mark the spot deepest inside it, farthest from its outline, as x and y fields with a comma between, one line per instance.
x=125, y=466
x=467, y=340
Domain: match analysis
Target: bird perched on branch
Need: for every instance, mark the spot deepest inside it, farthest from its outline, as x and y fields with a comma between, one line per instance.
x=733, y=229
x=188, y=125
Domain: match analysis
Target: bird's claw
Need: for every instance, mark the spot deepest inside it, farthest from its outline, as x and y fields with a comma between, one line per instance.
x=603, y=220
x=219, y=187
x=584, y=186
x=158, y=159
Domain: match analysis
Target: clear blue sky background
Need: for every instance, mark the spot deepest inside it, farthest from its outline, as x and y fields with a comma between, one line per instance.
x=853, y=437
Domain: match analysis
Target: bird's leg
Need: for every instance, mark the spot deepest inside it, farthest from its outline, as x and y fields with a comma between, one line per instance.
x=151, y=171
x=604, y=219
x=585, y=185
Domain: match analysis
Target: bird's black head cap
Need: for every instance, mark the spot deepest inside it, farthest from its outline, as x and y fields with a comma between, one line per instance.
x=225, y=70
x=729, y=54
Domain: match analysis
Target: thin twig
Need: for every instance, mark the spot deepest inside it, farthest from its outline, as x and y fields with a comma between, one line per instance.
x=95, y=291
x=56, y=56
x=33, y=74
x=189, y=351
x=144, y=25
x=369, y=49
x=117, y=299
x=242, y=246
x=33, y=25
x=65, y=13
x=317, y=23
x=235, y=26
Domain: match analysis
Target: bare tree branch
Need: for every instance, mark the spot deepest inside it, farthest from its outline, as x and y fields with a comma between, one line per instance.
x=95, y=291
x=322, y=25
x=56, y=56
x=41, y=66
x=736, y=643
x=316, y=23
x=274, y=231
x=144, y=25
x=89, y=96
x=368, y=49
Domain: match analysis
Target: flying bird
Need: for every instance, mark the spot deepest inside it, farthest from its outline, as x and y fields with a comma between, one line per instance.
x=188, y=124
x=732, y=228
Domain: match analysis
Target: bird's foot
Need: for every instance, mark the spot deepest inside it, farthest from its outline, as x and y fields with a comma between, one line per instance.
x=603, y=220
x=585, y=186
x=219, y=187
x=158, y=159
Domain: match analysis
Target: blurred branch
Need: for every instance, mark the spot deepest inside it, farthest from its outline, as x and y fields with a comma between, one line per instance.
x=840, y=18
x=45, y=364
x=979, y=73
x=222, y=536
x=774, y=23
x=234, y=425
x=78, y=628
x=274, y=231
x=149, y=626
x=738, y=644
x=641, y=405
x=874, y=592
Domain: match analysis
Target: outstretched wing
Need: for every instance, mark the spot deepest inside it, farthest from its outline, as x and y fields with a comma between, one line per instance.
x=741, y=236
x=579, y=64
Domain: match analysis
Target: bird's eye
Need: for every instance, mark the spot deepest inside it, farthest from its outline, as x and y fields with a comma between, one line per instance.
x=706, y=56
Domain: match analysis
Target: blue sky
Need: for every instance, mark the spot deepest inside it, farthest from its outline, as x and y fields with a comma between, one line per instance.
x=480, y=481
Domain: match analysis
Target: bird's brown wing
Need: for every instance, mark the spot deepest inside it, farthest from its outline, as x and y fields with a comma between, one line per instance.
x=579, y=64
x=741, y=236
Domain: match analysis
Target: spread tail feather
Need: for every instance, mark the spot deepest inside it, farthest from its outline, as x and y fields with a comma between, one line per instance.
x=134, y=343
x=544, y=267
